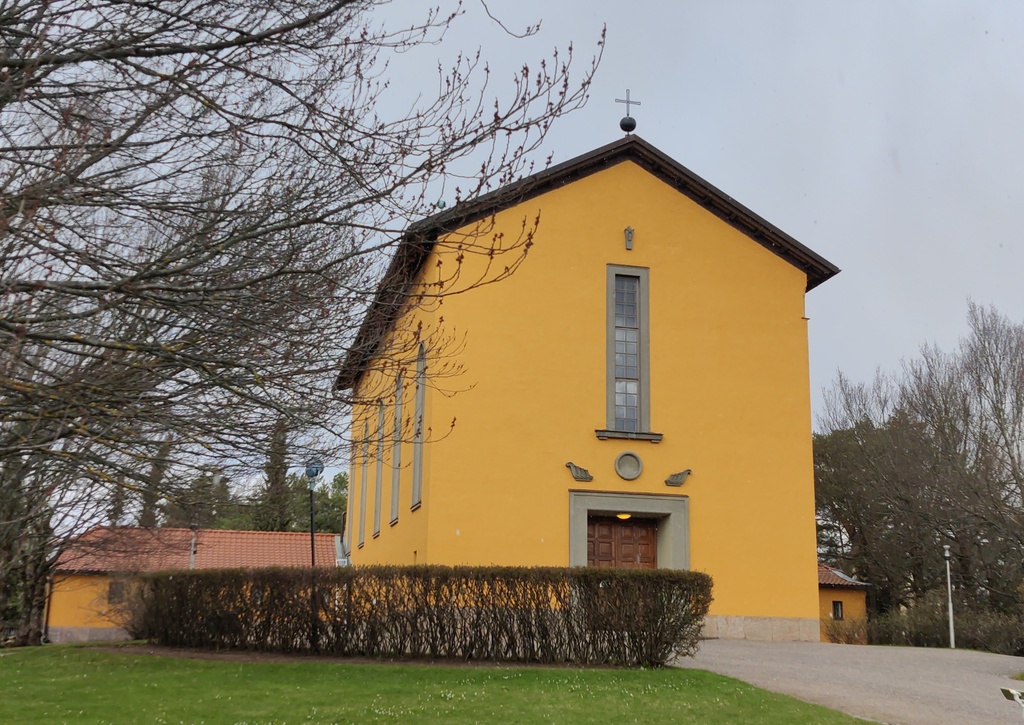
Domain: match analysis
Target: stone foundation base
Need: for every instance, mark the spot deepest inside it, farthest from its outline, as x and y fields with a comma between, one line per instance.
x=765, y=629
x=59, y=635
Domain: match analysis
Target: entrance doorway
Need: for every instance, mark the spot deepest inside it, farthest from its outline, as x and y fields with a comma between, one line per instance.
x=616, y=544
x=669, y=514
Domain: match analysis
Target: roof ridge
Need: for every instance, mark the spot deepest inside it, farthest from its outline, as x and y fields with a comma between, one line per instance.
x=256, y=531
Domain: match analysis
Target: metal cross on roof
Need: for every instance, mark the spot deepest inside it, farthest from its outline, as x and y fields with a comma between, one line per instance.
x=627, y=102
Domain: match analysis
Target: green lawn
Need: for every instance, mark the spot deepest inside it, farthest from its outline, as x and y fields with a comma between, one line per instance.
x=59, y=684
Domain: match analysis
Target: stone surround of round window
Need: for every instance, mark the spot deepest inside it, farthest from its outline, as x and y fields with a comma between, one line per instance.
x=629, y=466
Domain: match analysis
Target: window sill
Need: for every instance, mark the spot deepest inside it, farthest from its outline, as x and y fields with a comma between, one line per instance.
x=416, y=506
x=606, y=434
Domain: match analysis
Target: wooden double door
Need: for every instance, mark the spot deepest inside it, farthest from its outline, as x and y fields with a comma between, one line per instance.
x=616, y=544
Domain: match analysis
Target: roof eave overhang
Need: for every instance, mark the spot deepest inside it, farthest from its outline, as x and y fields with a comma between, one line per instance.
x=861, y=585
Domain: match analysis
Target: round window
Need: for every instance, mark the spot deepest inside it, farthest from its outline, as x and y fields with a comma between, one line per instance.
x=628, y=465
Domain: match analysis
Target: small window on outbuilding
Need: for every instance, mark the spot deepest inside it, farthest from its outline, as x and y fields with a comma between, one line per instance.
x=837, y=610
x=115, y=592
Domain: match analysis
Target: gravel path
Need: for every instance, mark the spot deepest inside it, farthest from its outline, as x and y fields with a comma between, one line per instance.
x=902, y=685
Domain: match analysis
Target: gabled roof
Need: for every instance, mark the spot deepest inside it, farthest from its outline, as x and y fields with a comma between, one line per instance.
x=134, y=549
x=829, y=576
x=417, y=242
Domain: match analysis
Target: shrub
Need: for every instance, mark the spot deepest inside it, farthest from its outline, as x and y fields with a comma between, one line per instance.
x=845, y=631
x=548, y=615
x=926, y=624
x=124, y=605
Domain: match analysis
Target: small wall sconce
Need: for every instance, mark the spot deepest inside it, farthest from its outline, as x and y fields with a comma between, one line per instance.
x=629, y=237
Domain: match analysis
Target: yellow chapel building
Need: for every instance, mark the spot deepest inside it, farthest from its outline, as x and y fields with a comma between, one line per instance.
x=604, y=364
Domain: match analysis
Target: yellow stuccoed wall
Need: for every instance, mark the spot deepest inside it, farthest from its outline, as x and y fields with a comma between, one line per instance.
x=78, y=609
x=79, y=601
x=406, y=541
x=729, y=391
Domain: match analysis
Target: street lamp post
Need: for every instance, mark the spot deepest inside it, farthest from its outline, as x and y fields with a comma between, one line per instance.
x=314, y=467
x=949, y=597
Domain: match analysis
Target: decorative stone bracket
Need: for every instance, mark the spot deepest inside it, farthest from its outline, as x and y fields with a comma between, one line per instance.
x=678, y=479
x=580, y=474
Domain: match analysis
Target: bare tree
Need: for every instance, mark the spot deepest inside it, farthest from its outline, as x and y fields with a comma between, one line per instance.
x=928, y=457
x=196, y=199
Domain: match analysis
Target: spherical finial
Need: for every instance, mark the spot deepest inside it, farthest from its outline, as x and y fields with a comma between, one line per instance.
x=627, y=124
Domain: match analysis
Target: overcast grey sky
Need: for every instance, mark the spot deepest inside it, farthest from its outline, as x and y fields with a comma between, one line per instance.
x=886, y=136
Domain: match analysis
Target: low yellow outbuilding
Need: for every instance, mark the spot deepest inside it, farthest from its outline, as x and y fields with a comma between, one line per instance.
x=87, y=596
x=842, y=601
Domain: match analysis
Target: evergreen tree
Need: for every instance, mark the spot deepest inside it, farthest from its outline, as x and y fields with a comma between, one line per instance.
x=153, y=487
x=115, y=509
x=330, y=503
x=273, y=507
x=206, y=503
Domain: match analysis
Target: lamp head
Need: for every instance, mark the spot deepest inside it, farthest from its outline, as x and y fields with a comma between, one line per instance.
x=314, y=467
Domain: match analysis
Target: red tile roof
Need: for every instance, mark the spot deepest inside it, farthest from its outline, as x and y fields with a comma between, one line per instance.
x=829, y=576
x=105, y=549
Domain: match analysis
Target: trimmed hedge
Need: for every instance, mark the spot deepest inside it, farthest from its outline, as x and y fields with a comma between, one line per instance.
x=547, y=615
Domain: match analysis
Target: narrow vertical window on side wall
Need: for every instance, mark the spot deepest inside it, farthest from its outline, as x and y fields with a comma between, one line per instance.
x=418, y=432
x=379, y=480
x=350, y=509
x=364, y=463
x=396, y=451
x=837, y=610
x=628, y=344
